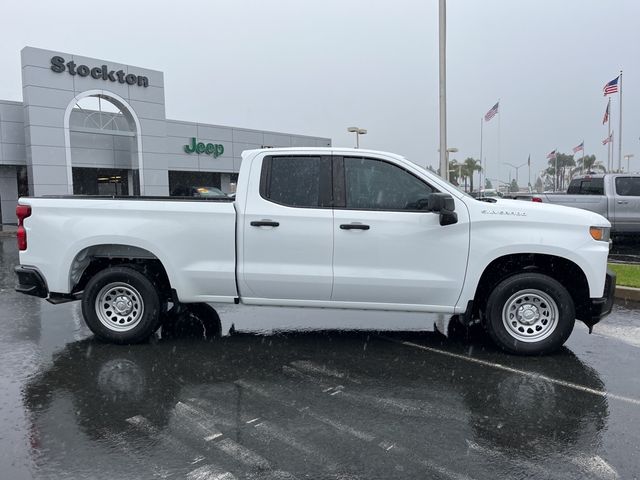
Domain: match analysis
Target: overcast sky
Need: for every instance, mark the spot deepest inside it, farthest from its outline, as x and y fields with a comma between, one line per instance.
x=318, y=67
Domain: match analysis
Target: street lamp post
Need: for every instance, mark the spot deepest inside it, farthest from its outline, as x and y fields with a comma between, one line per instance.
x=442, y=83
x=446, y=156
x=358, y=131
x=517, y=168
x=628, y=157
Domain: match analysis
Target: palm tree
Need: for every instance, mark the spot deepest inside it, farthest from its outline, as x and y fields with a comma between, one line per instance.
x=469, y=167
x=454, y=171
x=588, y=164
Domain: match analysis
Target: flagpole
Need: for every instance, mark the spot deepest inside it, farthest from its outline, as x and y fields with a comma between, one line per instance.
x=556, y=154
x=499, y=115
x=481, y=187
x=620, y=125
x=609, y=163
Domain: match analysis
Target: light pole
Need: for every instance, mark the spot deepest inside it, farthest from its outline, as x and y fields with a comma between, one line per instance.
x=358, y=131
x=627, y=157
x=446, y=159
x=517, y=168
x=442, y=70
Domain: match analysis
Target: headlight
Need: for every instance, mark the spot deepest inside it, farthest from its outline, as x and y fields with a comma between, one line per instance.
x=601, y=234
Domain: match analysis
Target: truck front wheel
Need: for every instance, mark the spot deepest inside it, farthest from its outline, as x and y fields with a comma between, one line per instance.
x=530, y=314
x=121, y=305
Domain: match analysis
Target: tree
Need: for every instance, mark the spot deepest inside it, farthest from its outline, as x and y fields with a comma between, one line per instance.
x=563, y=161
x=539, y=187
x=454, y=171
x=469, y=167
x=588, y=164
x=487, y=184
x=513, y=187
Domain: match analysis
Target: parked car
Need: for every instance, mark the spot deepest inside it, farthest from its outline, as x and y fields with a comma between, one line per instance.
x=324, y=228
x=201, y=192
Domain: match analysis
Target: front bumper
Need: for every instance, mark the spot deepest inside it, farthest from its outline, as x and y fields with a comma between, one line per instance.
x=601, y=307
x=30, y=282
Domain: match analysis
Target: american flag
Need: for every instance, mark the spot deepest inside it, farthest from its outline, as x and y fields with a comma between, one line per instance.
x=611, y=87
x=552, y=154
x=609, y=139
x=578, y=148
x=605, y=119
x=491, y=113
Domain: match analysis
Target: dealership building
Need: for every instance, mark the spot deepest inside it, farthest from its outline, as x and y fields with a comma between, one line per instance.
x=87, y=126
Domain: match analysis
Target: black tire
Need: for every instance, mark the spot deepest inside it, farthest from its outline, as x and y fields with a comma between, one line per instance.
x=540, y=323
x=130, y=308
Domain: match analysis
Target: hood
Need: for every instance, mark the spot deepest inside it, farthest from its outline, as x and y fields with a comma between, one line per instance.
x=545, y=212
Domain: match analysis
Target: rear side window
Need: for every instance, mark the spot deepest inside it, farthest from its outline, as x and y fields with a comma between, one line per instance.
x=587, y=186
x=628, y=186
x=376, y=185
x=297, y=181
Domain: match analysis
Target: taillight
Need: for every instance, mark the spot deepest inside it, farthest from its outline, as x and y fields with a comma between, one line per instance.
x=22, y=212
x=536, y=199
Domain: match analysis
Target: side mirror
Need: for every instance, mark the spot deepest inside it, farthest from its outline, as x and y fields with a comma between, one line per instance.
x=443, y=204
x=437, y=202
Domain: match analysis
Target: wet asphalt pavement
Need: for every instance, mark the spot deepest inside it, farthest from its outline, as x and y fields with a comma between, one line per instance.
x=310, y=405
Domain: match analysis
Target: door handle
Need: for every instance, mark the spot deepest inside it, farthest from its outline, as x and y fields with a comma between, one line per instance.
x=354, y=226
x=620, y=202
x=264, y=223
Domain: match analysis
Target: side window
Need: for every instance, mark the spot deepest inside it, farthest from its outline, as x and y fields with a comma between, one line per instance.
x=586, y=186
x=297, y=181
x=628, y=186
x=376, y=185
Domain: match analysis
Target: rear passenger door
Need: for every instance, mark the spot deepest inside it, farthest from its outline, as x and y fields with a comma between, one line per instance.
x=288, y=230
x=627, y=205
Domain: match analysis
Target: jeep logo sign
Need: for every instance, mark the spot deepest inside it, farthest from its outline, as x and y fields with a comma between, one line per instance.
x=58, y=65
x=210, y=149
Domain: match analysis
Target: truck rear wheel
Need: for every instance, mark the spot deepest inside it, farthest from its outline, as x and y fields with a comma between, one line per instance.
x=121, y=305
x=530, y=314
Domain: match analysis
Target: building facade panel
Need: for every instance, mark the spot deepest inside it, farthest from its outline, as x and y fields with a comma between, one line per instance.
x=12, y=132
x=11, y=111
x=47, y=136
x=47, y=155
x=42, y=116
x=211, y=133
x=181, y=130
x=13, y=154
x=36, y=76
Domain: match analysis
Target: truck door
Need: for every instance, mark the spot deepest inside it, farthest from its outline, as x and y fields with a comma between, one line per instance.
x=627, y=204
x=388, y=250
x=287, y=237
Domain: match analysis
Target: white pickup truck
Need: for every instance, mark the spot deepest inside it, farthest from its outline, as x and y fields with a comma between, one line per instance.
x=326, y=228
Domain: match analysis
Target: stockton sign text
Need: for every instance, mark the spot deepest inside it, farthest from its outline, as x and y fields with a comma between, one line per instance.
x=58, y=65
x=198, y=147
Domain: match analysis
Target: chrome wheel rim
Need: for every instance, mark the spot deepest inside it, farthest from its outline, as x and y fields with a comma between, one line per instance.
x=530, y=315
x=119, y=307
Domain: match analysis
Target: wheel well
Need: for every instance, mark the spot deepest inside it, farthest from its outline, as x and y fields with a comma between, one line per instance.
x=93, y=259
x=564, y=271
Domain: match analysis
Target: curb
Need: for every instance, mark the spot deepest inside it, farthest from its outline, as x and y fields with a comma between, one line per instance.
x=627, y=293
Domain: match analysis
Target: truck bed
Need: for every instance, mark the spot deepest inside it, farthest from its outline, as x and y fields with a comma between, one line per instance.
x=193, y=238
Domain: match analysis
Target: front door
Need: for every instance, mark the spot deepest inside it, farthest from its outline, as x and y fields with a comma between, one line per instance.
x=387, y=249
x=288, y=230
